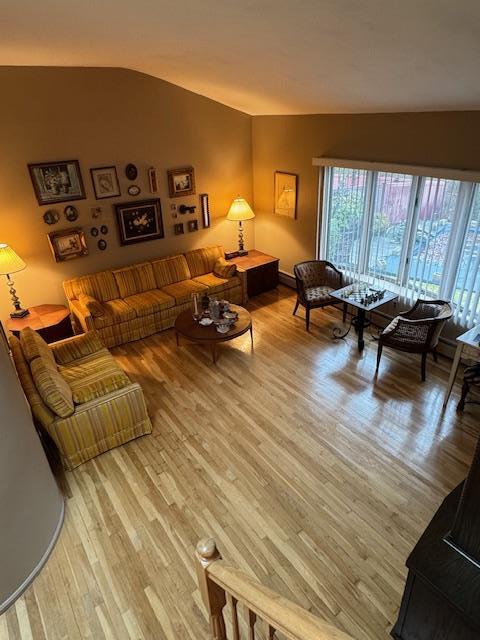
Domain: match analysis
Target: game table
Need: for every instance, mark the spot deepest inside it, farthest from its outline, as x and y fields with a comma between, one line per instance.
x=364, y=298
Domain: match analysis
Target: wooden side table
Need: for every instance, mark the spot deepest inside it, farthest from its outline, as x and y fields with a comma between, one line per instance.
x=51, y=321
x=261, y=269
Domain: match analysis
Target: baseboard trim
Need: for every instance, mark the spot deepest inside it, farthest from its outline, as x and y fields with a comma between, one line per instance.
x=287, y=279
x=38, y=567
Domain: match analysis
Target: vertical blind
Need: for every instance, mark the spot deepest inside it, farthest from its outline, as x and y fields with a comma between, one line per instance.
x=419, y=233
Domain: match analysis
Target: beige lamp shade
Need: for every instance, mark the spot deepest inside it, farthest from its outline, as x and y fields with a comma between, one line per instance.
x=9, y=261
x=240, y=210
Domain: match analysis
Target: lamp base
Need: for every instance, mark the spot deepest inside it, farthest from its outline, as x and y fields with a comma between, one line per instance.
x=242, y=252
x=20, y=313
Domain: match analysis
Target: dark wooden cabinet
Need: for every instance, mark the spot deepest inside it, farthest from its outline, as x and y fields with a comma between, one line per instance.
x=261, y=269
x=442, y=595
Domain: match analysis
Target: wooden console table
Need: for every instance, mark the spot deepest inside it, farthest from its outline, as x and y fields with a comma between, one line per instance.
x=261, y=269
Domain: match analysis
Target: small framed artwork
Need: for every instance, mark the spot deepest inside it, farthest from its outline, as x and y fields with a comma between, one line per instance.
x=51, y=216
x=285, y=194
x=71, y=213
x=102, y=244
x=178, y=228
x=181, y=182
x=131, y=171
x=193, y=225
x=205, y=209
x=152, y=180
x=139, y=221
x=68, y=244
x=57, y=181
x=105, y=182
x=133, y=190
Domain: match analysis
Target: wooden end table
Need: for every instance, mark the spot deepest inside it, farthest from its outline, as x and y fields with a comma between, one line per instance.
x=261, y=269
x=186, y=326
x=51, y=321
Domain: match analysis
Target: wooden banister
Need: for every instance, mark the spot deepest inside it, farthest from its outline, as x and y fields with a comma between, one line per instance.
x=216, y=579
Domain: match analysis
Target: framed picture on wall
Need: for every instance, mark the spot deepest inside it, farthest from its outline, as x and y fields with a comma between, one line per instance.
x=181, y=182
x=67, y=244
x=205, y=209
x=285, y=194
x=139, y=221
x=105, y=182
x=57, y=181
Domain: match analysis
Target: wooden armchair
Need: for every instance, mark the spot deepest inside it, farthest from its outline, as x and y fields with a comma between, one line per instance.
x=471, y=378
x=416, y=330
x=315, y=280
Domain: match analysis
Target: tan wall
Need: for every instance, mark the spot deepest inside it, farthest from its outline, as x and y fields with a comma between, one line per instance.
x=288, y=143
x=104, y=117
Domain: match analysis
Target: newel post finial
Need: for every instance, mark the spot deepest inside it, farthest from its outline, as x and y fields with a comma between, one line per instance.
x=213, y=596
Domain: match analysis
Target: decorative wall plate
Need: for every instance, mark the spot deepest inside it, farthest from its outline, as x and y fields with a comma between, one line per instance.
x=102, y=244
x=94, y=232
x=71, y=213
x=131, y=171
x=104, y=229
x=51, y=216
x=133, y=190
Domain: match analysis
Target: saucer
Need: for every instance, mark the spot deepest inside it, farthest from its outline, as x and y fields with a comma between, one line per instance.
x=205, y=322
x=222, y=328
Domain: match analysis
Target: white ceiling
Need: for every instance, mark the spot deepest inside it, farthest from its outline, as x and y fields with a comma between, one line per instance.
x=266, y=56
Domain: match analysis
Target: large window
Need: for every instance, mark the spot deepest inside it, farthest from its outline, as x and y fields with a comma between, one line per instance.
x=420, y=234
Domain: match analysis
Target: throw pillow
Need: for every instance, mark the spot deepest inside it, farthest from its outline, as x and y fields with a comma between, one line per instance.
x=224, y=269
x=77, y=347
x=92, y=304
x=34, y=346
x=100, y=388
x=53, y=389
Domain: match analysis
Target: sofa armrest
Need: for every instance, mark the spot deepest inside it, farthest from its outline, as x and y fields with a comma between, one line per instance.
x=242, y=274
x=70, y=349
x=82, y=316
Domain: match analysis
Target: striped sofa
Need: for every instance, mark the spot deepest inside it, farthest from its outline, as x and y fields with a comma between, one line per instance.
x=79, y=395
x=139, y=300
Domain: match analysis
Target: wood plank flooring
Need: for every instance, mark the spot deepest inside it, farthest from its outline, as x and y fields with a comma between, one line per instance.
x=310, y=476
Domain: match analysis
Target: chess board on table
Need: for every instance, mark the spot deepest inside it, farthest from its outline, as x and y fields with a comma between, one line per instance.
x=364, y=296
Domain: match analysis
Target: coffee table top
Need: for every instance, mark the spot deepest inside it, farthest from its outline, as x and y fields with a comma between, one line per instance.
x=186, y=326
x=352, y=296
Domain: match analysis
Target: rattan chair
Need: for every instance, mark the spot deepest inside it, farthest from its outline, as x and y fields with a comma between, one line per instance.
x=416, y=330
x=471, y=378
x=315, y=280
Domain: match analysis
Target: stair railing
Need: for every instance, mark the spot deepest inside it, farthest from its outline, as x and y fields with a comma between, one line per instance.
x=220, y=583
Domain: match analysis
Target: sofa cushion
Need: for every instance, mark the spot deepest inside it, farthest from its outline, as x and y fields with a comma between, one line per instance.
x=216, y=284
x=115, y=311
x=34, y=346
x=182, y=291
x=53, y=389
x=93, y=306
x=135, y=279
x=201, y=261
x=170, y=270
x=39, y=409
x=224, y=269
x=84, y=376
x=101, y=286
x=149, y=302
x=77, y=347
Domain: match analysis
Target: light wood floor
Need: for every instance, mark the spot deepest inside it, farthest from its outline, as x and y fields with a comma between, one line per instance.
x=308, y=473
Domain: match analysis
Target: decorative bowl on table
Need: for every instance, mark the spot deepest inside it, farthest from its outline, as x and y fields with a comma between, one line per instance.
x=223, y=325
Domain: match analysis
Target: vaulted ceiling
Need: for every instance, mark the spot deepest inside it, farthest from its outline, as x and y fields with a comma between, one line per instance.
x=267, y=56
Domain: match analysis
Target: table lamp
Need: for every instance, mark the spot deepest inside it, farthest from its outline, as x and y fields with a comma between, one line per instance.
x=240, y=210
x=11, y=263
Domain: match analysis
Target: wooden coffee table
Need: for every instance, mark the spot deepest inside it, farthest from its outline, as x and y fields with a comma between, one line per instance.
x=186, y=327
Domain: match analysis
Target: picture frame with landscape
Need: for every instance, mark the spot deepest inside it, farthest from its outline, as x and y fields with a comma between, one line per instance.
x=139, y=221
x=181, y=182
x=67, y=244
x=57, y=181
x=285, y=194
